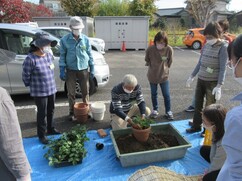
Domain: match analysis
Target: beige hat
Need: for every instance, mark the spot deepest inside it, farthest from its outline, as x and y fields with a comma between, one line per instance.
x=76, y=22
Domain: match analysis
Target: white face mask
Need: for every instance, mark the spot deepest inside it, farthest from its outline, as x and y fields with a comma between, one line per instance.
x=127, y=91
x=238, y=79
x=209, y=128
x=211, y=42
x=77, y=32
x=160, y=46
x=46, y=49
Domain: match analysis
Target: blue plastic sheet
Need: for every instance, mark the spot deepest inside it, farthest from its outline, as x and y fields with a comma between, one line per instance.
x=102, y=165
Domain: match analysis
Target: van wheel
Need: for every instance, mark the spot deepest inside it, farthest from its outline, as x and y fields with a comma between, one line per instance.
x=196, y=45
x=92, y=88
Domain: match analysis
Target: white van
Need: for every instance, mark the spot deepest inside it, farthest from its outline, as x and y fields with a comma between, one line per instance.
x=97, y=43
x=16, y=38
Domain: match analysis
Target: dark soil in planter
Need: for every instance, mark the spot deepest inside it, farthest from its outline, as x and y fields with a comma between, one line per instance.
x=128, y=143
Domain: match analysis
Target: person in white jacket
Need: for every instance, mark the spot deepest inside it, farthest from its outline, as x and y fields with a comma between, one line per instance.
x=231, y=142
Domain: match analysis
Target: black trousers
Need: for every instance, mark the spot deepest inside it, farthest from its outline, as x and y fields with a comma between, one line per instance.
x=45, y=108
x=205, y=152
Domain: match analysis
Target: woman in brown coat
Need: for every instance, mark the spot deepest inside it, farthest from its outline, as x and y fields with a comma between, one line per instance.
x=159, y=59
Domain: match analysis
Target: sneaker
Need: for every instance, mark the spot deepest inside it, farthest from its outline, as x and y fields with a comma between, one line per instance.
x=169, y=115
x=154, y=114
x=190, y=109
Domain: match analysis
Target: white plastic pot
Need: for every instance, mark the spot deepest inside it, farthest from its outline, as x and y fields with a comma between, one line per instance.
x=98, y=109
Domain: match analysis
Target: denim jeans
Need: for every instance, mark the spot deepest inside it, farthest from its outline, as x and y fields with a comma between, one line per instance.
x=203, y=89
x=165, y=89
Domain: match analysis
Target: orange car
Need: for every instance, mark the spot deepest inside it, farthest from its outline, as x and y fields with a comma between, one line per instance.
x=194, y=38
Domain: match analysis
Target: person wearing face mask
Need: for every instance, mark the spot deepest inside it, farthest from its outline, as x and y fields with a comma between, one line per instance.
x=213, y=117
x=211, y=70
x=231, y=142
x=38, y=75
x=159, y=58
x=127, y=101
x=76, y=62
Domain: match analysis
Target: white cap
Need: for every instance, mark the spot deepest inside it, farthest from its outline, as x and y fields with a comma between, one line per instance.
x=76, y=22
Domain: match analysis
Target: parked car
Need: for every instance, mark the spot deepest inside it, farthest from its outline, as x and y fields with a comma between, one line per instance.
x=16, y=38
x=97, y=43
x=194, y=38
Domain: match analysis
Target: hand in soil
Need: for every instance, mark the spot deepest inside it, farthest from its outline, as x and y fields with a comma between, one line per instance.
x=136, y=126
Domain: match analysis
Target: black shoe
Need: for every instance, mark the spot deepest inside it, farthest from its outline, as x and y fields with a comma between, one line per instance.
x=193, y=130
x=190, y=123
x=53, y=131
x=44, y=140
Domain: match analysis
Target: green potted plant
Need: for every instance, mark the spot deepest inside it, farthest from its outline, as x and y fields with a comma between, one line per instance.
x=142, y=129
x=68, y=149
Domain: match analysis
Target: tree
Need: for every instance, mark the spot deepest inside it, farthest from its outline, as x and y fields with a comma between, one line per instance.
x=38, y=10
x=18, y=11
x=143, y=8
x=13, y=11
x=201, y=10
x=113, y=8
x=79, y=7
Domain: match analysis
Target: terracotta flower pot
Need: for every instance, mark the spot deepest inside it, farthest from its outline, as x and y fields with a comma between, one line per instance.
x=141, y=135
x=81, y=111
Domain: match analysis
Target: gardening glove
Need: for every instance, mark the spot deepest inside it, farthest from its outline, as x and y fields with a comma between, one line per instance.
x=91, y=71
x=62, y=73
x=189, y=81
x=143, y=116
x=217, y=92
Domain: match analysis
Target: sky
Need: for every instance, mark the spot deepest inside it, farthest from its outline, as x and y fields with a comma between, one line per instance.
x=235, y=5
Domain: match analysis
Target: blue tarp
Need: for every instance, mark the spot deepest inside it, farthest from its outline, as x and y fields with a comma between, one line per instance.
x=103, y=165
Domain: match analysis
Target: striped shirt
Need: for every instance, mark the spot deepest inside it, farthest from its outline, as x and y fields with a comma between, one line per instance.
x=122, y=102
x=38, y=74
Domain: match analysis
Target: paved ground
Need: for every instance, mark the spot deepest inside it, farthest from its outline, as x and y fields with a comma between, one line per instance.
x=120, y=64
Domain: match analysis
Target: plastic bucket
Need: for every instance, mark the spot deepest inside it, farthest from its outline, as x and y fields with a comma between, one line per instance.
x=98, y=110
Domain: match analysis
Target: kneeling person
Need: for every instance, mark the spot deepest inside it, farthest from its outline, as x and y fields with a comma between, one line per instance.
x=127, y=101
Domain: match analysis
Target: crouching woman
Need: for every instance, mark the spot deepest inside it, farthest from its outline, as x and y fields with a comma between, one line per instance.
x=213, y=117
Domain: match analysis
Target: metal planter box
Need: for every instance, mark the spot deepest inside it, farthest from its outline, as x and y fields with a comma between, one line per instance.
x=138, y=158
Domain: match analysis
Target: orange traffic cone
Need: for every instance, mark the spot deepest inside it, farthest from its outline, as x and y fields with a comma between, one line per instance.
x=151, y=42
x=123, y=47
